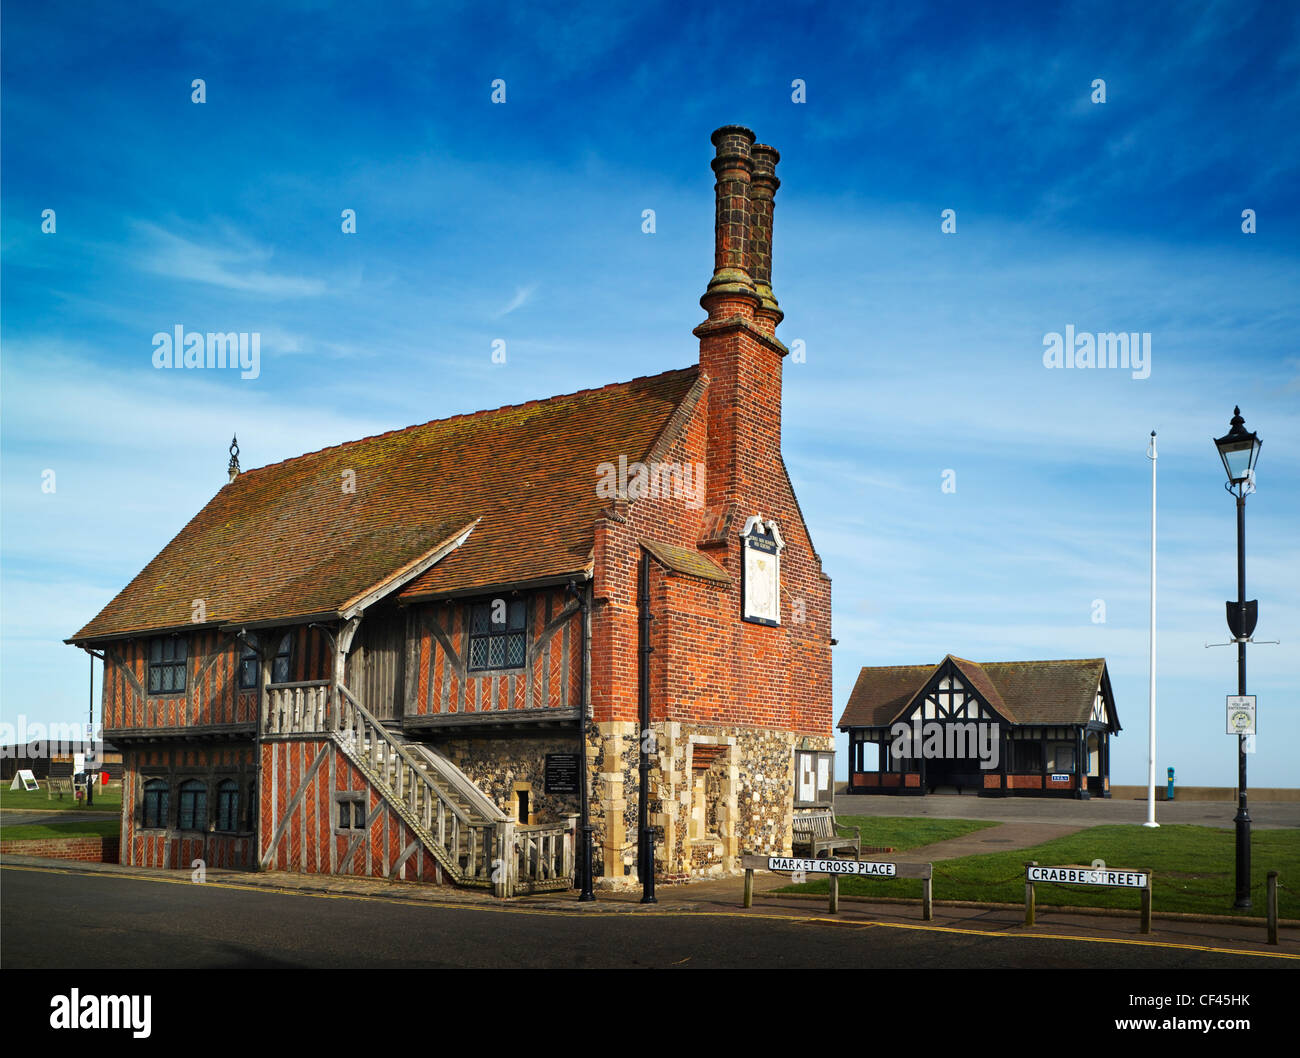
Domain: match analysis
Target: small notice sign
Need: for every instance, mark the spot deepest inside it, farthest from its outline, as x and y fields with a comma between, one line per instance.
x=1241, y=714
x=1088, y=876
x=26, y=780
x=561, y=773
x=861, y=868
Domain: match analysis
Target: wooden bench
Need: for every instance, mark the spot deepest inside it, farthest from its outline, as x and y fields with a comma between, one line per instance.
x=818, y=832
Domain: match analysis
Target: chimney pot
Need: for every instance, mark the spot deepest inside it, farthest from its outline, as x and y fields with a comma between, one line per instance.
x=762, y=193
x=731, y=289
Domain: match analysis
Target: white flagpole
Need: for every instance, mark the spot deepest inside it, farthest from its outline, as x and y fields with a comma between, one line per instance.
x=1151, y=747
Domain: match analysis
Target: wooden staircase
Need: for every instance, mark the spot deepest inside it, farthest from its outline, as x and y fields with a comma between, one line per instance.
x=473, y=841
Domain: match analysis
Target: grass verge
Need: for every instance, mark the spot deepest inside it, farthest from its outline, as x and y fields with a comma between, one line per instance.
x=95, y=828
x=1194, y=871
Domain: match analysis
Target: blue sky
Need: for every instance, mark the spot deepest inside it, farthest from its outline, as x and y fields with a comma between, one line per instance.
x=522, y=222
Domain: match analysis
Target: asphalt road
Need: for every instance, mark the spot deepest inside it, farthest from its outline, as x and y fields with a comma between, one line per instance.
x=62, y=919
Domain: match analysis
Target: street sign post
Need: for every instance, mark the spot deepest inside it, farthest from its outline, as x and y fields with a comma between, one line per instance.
x=1241, y=714
x=837, y=869
x=1100, y=875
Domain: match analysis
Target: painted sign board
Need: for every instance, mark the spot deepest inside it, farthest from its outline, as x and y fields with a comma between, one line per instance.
x=760, y=571
x=26, y=779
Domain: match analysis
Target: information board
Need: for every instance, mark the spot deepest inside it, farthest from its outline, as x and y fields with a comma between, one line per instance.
x=562, y=773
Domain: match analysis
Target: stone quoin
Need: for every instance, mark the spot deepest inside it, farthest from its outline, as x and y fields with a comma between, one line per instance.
x=397, y=634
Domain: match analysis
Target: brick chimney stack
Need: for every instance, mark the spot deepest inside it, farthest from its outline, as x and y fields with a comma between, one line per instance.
x=762, y=191
x=731, y=290
x=738, y=349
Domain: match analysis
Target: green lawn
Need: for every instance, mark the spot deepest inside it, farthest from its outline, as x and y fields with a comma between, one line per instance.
x=107, y=800
x=904, y=832
x=95, y=828
x=1193, y=871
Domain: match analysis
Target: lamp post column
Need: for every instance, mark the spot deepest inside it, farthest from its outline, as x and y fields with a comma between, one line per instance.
x=1242, y=818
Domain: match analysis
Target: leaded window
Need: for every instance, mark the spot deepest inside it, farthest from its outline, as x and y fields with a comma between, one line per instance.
x=248, y=666
x=193, y=807
x=281, y=667
x=496, y=634
x=167, y=659
x=228, y=805
x=155, y=804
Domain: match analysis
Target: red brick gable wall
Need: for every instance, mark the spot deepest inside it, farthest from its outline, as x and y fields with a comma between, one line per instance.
x=709, y=666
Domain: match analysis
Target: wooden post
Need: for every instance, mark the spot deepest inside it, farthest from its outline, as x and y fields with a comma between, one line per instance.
x=1029, y=896
x=1271, y=904
x=835, y=893
x=749, y=887
x=1146, y=904
x=927, y=899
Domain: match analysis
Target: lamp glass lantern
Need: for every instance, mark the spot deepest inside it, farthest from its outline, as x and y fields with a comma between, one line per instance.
x=1238, y=449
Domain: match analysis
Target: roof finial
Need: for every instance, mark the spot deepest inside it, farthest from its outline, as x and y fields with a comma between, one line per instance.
x=234, y=457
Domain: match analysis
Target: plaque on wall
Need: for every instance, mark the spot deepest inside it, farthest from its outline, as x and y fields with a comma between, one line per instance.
x=760, y=575
x=561, y=773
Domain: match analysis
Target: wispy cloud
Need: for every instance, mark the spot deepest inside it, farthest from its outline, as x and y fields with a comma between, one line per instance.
x=522, y=296
x=236, y=264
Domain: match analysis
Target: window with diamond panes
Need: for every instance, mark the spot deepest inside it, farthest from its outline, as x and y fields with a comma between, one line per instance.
x=167, y=665
x=155, y=804
x=493, y=643
x=281, y=667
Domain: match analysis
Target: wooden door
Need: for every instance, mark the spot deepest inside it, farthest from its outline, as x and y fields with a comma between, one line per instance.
x=381, y=680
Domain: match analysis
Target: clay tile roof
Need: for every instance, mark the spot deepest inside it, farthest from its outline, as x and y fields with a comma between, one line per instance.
x=1025, y=692
x=684, y=560
x=286, y=541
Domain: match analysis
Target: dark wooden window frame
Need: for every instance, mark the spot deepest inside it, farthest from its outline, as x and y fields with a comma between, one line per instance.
x=512, y=636
x=250, y=664
x=161, y=663
x=155, y=804
x=195, y=792
x=350, y=809
x=228, y=806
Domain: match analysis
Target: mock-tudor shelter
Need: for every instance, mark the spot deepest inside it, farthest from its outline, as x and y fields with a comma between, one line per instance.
x=1045, y=726
x=393, y=657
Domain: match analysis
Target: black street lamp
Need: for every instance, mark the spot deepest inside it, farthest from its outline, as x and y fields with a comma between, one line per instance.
x=1239, y=450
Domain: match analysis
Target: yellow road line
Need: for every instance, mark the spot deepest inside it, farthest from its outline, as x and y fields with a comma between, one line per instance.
x=558, y=913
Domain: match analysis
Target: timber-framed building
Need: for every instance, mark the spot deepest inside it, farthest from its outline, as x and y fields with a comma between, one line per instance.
x=1028, y=728
x=391, y=657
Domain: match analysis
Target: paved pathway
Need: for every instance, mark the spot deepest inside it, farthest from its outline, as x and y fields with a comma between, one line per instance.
x=990, y=839
x=1090, y=813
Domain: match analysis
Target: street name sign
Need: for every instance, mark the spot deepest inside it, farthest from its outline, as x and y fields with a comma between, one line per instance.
x=861, y=868
x=1088, y=876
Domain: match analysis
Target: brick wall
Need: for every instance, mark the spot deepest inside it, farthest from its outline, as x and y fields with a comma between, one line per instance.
x=87, y=850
